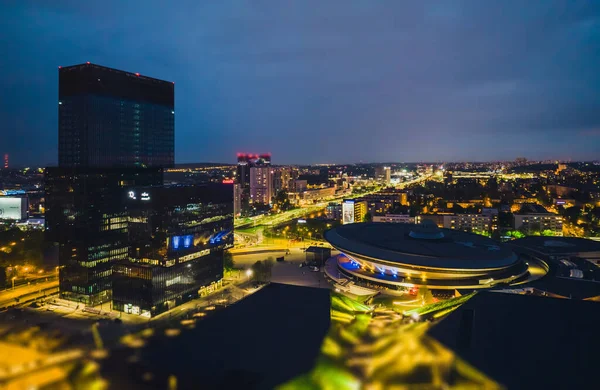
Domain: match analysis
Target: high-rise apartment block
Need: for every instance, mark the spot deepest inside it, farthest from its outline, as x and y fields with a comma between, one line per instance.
x=261, y=184
x=245, y=163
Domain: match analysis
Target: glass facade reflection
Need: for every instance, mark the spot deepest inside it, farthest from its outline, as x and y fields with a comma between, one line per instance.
x=86, y=216
x=110, y=118
x=177, y=238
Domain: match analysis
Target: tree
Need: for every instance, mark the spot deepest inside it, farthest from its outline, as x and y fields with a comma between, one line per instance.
x=515, y=234
x=368, y=217
x=262, y=270
x=228, y=262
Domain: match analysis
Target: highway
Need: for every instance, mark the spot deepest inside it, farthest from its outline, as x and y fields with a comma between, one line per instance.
x=27, y=292
x=279, y=218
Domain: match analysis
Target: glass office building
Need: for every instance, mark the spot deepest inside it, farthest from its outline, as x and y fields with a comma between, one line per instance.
x=87, y=217
x=109, y=118
x=115, y=131
x=177, y=238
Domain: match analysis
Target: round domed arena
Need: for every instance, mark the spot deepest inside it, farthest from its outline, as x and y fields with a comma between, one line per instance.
x=397, y=255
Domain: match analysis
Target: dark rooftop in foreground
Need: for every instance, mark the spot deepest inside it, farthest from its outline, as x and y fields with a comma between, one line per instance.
x=526, y=342
x=442, y=248
x=264, y=340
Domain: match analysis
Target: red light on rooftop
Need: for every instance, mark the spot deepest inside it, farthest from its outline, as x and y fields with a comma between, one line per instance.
x=59, y=67
x=228, y=181
x=137, y=74
x=88, y=62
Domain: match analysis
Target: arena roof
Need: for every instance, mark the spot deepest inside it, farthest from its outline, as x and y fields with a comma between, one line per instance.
x=420, y=245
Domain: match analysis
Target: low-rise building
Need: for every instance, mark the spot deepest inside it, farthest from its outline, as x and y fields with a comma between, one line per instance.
x=394, y=218
x=473, y=223
x=533, y=218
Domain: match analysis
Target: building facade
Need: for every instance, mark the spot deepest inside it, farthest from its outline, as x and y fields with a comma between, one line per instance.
x=87, y=218
x=109, y=118
x=237, y=199
x=14, y=208
x=353, y=211
x=115, y=131
x=261, y=184
x=383, y=175
x=394, y=218
x=177, y=235
x=472, y=223
x=536, y=223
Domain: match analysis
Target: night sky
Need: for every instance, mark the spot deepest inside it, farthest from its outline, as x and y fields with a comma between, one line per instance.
x=315, y=81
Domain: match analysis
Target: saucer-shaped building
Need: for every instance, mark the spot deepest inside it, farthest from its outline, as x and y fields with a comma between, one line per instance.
x=397, y=255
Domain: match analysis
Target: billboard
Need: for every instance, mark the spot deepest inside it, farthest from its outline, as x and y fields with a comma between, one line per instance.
x=347, y=212
x=13, y=208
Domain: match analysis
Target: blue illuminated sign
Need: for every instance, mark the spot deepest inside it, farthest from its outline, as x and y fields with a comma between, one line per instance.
x=187, y=241
x=219, y=237
x=13, y=192
x=175, y=241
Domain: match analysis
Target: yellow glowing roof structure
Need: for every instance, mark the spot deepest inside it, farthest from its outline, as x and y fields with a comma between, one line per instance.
x=378, y=349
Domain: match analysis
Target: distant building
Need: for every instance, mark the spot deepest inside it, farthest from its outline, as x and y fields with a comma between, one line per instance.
x=493, y=214
x=394, y=218
x=110, y=118
x=299, y=185
x=6, y=161
x=382, y=202
x=317, y=194
x=334, y=211
x=533, y=218
x=261, y=184
x=246, y=161
x=473, y=223
x=353, y=211
x=14, y=208
x=282, y=178
x=383, y=174
x=237, y=199
x=177, y=237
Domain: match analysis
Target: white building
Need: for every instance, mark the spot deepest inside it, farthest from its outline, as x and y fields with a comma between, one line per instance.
x=261, y=184
x=475, y=223
x=394, y=218
x=14, y=208
x=538, y=222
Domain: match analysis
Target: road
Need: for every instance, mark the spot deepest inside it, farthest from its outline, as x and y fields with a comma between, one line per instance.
x=27, y=292
x=279, y=218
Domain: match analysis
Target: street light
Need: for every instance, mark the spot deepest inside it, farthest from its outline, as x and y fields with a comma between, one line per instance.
x=248, y=273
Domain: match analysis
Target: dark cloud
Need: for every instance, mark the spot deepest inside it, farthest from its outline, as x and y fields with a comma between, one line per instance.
x=323, y=81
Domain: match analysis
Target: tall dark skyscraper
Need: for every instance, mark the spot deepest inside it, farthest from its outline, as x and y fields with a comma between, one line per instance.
x=112, y=118
x=87, y=217
x=116, y=131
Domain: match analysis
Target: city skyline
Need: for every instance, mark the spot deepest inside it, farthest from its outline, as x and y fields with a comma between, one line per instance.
x=349, y=82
